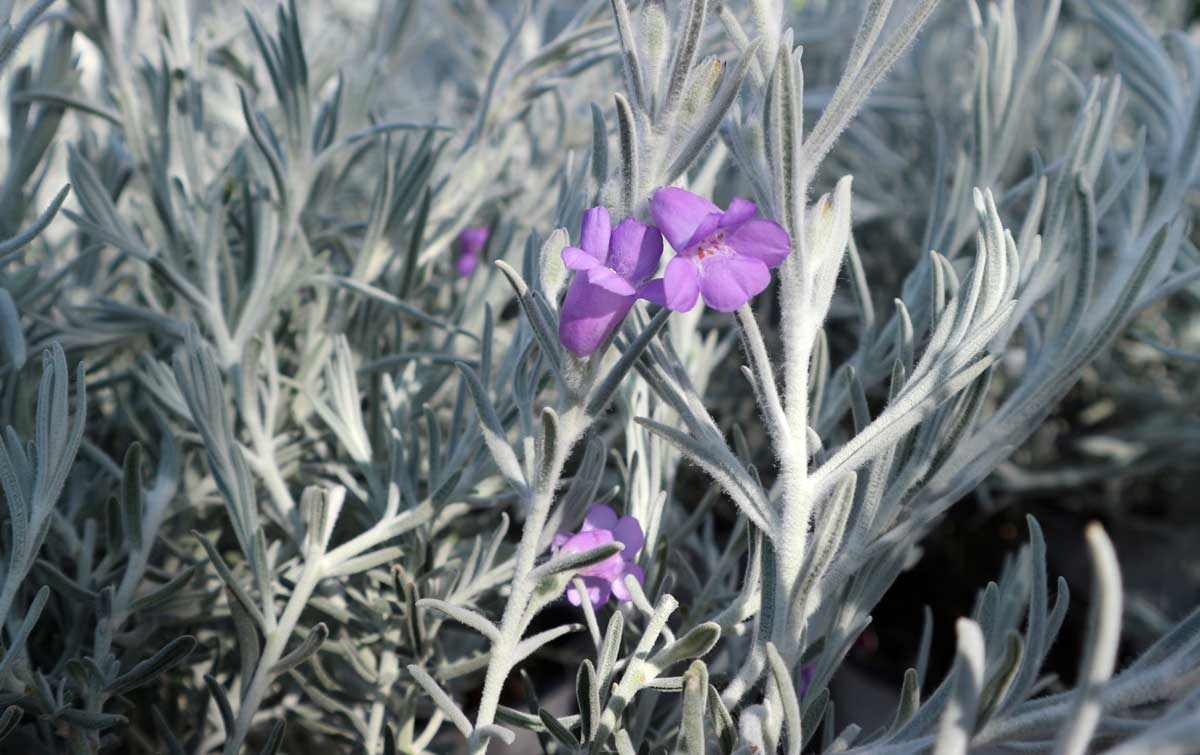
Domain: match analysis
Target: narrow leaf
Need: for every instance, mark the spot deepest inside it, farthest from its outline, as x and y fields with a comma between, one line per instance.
x=695, y=644
x=133, y=496
x=274, y=739
x=558, y=731
x=307, y=649
x=464, y=616
x=175, y=653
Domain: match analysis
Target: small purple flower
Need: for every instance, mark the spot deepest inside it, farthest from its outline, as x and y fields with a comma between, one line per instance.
x=806, y=677
x=606, y=578
x=609, y=263
x=468, y=247
x=725, y=257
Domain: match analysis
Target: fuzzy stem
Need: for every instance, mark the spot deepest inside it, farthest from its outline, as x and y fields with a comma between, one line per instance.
x=512, y=624
x=764, y=378
x=798, y=332
x=388, y=673
x=272, y=652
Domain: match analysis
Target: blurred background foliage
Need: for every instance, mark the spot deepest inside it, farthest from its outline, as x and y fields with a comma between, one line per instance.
x=249, y=182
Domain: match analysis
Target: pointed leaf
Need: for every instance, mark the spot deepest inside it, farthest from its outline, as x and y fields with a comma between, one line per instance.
x=307, y=649
x=175, y=653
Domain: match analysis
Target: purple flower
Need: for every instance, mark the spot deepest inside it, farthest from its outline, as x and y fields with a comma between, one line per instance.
x=806, y=677
x=723, y=256
x=468, y=247
x=607, y=577
x=609, y=263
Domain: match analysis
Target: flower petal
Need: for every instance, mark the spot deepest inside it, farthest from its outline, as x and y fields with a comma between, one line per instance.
x=608, y=280
x=761, y=239
x=472, y=239
x=585, y=541
x=677, y=289
x=677, y=213
x=806, y=677
x=628, y=532
x=595, y=305
x=708, y=225
x=652, y=291
x=610, y=568
x=465, y=264
x=598, y=591
x=740, y=210
x=594, y=232
x=577, y=259
x=469, y=245
x=729, y=281
x=634, y=250
x=559, y=540
x=618, y=586
x=599, y=517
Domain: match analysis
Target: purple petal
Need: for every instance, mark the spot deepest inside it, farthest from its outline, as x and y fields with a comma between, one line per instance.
x=597, y=531
x=465, y=264
x=634, y=250
x=595, y=305
x=594, y=232
x=469, y=245
x=806, y=677
x=652, y=291
x=740, y=210
x=618, y=586
x=599, y=517
x=585, y=541
x=761, y=239
x=610, y=568
x=677, y=289
x=729, y=281
x=628, y=531
x=707, y=227
x=577, y=259
x=559, y=539
x=471, y=240
x=677, y=213
x=598, y=591
x=605, y=278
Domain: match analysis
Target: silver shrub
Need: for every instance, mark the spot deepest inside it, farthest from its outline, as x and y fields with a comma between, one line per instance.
x=310, y=477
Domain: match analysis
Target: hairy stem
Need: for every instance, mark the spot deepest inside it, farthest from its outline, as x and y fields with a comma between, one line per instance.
x=512, y=624
x=272, y=652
